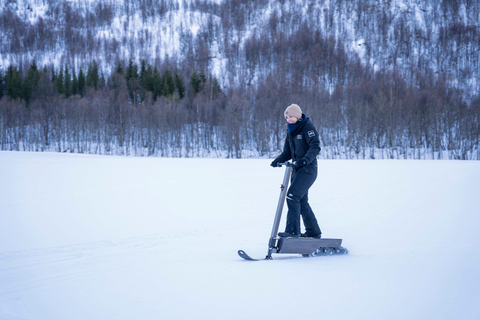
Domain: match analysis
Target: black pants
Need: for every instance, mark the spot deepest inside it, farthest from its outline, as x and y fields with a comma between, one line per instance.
x=297, y=202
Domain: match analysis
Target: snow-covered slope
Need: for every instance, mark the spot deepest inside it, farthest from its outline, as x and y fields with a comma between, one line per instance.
x=97, y=237
x=79, y=32
x=404, y=36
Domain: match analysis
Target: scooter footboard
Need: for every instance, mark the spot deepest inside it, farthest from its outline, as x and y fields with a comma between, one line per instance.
x=305, y=245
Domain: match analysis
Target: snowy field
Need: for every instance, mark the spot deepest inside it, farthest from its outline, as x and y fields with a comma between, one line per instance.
x=99, y=237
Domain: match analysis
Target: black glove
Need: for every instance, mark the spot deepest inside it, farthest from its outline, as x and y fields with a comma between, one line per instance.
x=274, y=163
x=300, y=163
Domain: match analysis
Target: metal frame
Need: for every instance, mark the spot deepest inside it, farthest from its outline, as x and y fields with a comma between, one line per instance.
x=272, y=243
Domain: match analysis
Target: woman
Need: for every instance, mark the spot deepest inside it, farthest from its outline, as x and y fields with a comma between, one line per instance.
x=302, y=146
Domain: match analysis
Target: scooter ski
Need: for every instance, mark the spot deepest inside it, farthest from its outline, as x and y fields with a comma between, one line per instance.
x=307, y=247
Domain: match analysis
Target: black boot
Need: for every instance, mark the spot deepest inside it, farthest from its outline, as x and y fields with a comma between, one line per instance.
x=288, y=235
x=311, y=235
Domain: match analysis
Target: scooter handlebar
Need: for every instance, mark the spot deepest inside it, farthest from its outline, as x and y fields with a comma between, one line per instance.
x=287, y=164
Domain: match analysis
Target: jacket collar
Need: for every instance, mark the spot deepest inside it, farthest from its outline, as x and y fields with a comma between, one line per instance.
x=294, y=127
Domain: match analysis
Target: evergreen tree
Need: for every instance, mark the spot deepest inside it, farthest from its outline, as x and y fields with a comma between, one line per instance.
x=150, y=78
x=168, y=83
x=81, y=83
x=131, y=71
x=214, y=87
x=93, y=77
x=53, y=77
x=74, y=83
x=27, y=90
x=2, y=83
x=144, y=80
x=133, y=83
x=157, y=84
x=195, y=82
x=180, y=84
x=30, y=83
x=67, y=84
x=59, y=81
x=146, y=77
x=119, y=69
x=14, y=83
x=143, y=74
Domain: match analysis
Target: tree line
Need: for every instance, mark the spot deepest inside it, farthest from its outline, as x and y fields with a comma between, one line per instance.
x=151, y=110
x=25, y=87
x=400, y=84
x=135, y=108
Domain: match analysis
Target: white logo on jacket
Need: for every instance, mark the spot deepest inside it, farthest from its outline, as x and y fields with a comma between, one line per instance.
x=311, y=133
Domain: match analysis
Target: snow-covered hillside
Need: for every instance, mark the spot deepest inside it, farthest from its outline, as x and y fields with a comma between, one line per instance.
x=404, y=36
x=98, y=237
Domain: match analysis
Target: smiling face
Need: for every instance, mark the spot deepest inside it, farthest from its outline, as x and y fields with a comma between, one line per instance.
x=291, y=119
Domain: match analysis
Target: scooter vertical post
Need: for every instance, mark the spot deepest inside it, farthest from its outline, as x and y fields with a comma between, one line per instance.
x=272, y=243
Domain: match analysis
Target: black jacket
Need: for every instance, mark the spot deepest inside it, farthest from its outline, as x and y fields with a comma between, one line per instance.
x=303, y=143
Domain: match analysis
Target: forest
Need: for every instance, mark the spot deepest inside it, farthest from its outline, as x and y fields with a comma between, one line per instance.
x=404, y=105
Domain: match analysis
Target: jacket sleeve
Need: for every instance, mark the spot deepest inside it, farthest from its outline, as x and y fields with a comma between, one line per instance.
x=286, y=153
x=313, y=142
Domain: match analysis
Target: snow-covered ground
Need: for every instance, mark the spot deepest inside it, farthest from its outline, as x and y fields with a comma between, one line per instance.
x=98, y=237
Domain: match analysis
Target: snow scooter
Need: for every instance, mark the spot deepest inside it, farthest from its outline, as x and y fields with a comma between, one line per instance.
x=307, y=247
